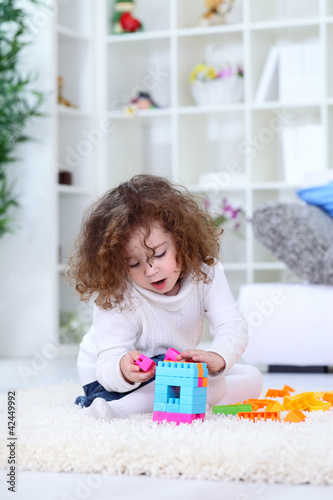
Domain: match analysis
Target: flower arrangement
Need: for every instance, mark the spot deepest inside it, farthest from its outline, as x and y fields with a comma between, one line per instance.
x=226, y=213
x=211, y=85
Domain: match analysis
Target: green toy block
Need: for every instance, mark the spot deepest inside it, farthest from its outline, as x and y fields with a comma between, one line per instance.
x=231, y=409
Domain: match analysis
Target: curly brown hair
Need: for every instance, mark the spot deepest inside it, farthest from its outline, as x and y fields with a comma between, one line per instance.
x=99, y=264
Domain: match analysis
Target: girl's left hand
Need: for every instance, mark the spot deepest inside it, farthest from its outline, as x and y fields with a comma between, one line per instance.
x=215, y=362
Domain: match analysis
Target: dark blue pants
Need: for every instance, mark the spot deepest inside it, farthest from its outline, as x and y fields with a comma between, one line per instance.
x=96, y=390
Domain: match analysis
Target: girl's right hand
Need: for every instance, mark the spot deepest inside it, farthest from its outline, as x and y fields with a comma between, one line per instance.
x=132, y=372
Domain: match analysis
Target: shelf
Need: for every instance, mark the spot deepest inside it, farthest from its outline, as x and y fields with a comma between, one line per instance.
x=259, y=186
x=67, y=34
x=290, y=23
x=67, y=111
x=196, y=146
x=147, y=113
x=242, y=266
x=69, y=190
x=277, y=105
x=210, y=30
x=268, y=266
x=137, y=37
x=196, y=110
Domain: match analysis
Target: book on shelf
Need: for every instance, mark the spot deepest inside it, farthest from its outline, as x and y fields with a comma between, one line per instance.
x=267, y=89
x=302, y=151
x=300, y=71
x=292, y=72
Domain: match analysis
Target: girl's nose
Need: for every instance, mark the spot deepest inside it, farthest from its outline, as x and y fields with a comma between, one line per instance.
x=150, y=267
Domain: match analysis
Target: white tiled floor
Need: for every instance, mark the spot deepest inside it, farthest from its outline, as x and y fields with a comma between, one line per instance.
x=20, y=372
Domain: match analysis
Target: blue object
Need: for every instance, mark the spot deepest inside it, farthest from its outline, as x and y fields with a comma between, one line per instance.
x=321, y=196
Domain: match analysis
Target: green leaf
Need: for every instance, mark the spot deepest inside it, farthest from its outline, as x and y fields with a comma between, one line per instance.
x=19, y=102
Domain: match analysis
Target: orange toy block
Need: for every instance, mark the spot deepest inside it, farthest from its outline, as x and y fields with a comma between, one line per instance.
x=288, y=388
x=259, y=415
x=276, y=406
x=322, y=407
x=328, y=396
x=295, y=416
x=300, y=402
x=276, y=393
x=258, y=403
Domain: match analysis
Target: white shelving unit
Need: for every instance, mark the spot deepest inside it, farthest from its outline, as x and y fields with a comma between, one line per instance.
x=181, y=140
x=75, y=153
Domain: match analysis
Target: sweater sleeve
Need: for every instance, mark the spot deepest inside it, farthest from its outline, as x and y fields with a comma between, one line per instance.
x=226, y=323
x=115, y=334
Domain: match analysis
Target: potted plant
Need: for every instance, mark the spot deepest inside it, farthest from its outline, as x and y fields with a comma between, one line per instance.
x=18, y=101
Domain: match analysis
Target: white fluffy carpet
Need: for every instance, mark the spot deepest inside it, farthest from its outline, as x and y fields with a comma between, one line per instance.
x=54, y=435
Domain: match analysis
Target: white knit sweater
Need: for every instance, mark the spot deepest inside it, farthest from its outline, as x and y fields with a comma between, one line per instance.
x=155, y=322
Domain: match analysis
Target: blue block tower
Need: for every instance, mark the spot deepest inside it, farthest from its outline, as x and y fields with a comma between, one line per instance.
x=180, y=391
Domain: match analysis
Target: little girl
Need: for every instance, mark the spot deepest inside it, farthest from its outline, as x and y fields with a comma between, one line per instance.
x=148, y=253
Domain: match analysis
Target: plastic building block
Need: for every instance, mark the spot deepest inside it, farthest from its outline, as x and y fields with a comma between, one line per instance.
x=260, y=415
x=276, y=393
x=160, y=416
x=295, y=416
x=258, y=403
x=288, y=388
x=171, y=355
x=180, y=389
x=320, y=406
x=276, y=406
x=300, y=402
x=181, y=369
x=145, y=363
x=231, y=409
x=328, y=396
x=202, y=382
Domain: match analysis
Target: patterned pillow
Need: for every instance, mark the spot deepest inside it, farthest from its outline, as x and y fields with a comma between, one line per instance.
x=299, y=235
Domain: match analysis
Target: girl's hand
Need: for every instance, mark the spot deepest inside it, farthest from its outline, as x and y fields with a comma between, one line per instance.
x=214, y=361
x=132, y=372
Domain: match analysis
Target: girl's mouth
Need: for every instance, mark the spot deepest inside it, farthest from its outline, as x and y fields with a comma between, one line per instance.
x=159, y=284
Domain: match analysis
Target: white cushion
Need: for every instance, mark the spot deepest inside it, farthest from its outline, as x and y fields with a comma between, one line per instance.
x=290, y=324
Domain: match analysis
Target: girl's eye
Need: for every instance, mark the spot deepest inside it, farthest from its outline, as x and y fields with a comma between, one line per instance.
x=134, y=265
x=161, y=255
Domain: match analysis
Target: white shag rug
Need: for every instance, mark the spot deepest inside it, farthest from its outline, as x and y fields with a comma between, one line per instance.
x=55, y=436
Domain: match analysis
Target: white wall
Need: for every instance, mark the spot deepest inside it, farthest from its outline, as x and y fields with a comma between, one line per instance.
x=27, y=257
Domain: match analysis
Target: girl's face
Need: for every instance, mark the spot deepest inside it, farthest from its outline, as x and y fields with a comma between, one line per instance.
x=159, y=273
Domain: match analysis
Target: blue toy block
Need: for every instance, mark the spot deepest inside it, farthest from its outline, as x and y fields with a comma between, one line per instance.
x=172, y=407
x=160, y=406
x=177, y=369
x=161, y=398
x=196, y=408
x=188, y=400
x=193, y=391
x=178, y=381
x=181, y=369
x=161, y=389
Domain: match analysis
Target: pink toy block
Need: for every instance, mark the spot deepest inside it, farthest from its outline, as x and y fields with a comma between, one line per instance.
x=171, y=355
x=185, y=418
x=145, y=363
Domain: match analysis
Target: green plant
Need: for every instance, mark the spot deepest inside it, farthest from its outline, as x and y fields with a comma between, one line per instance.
x=18, y=101
x=226, y=213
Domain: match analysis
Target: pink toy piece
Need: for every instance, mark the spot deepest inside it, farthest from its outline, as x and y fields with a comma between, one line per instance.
x=185, y=418
x=171, y=355
x=145, y=363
